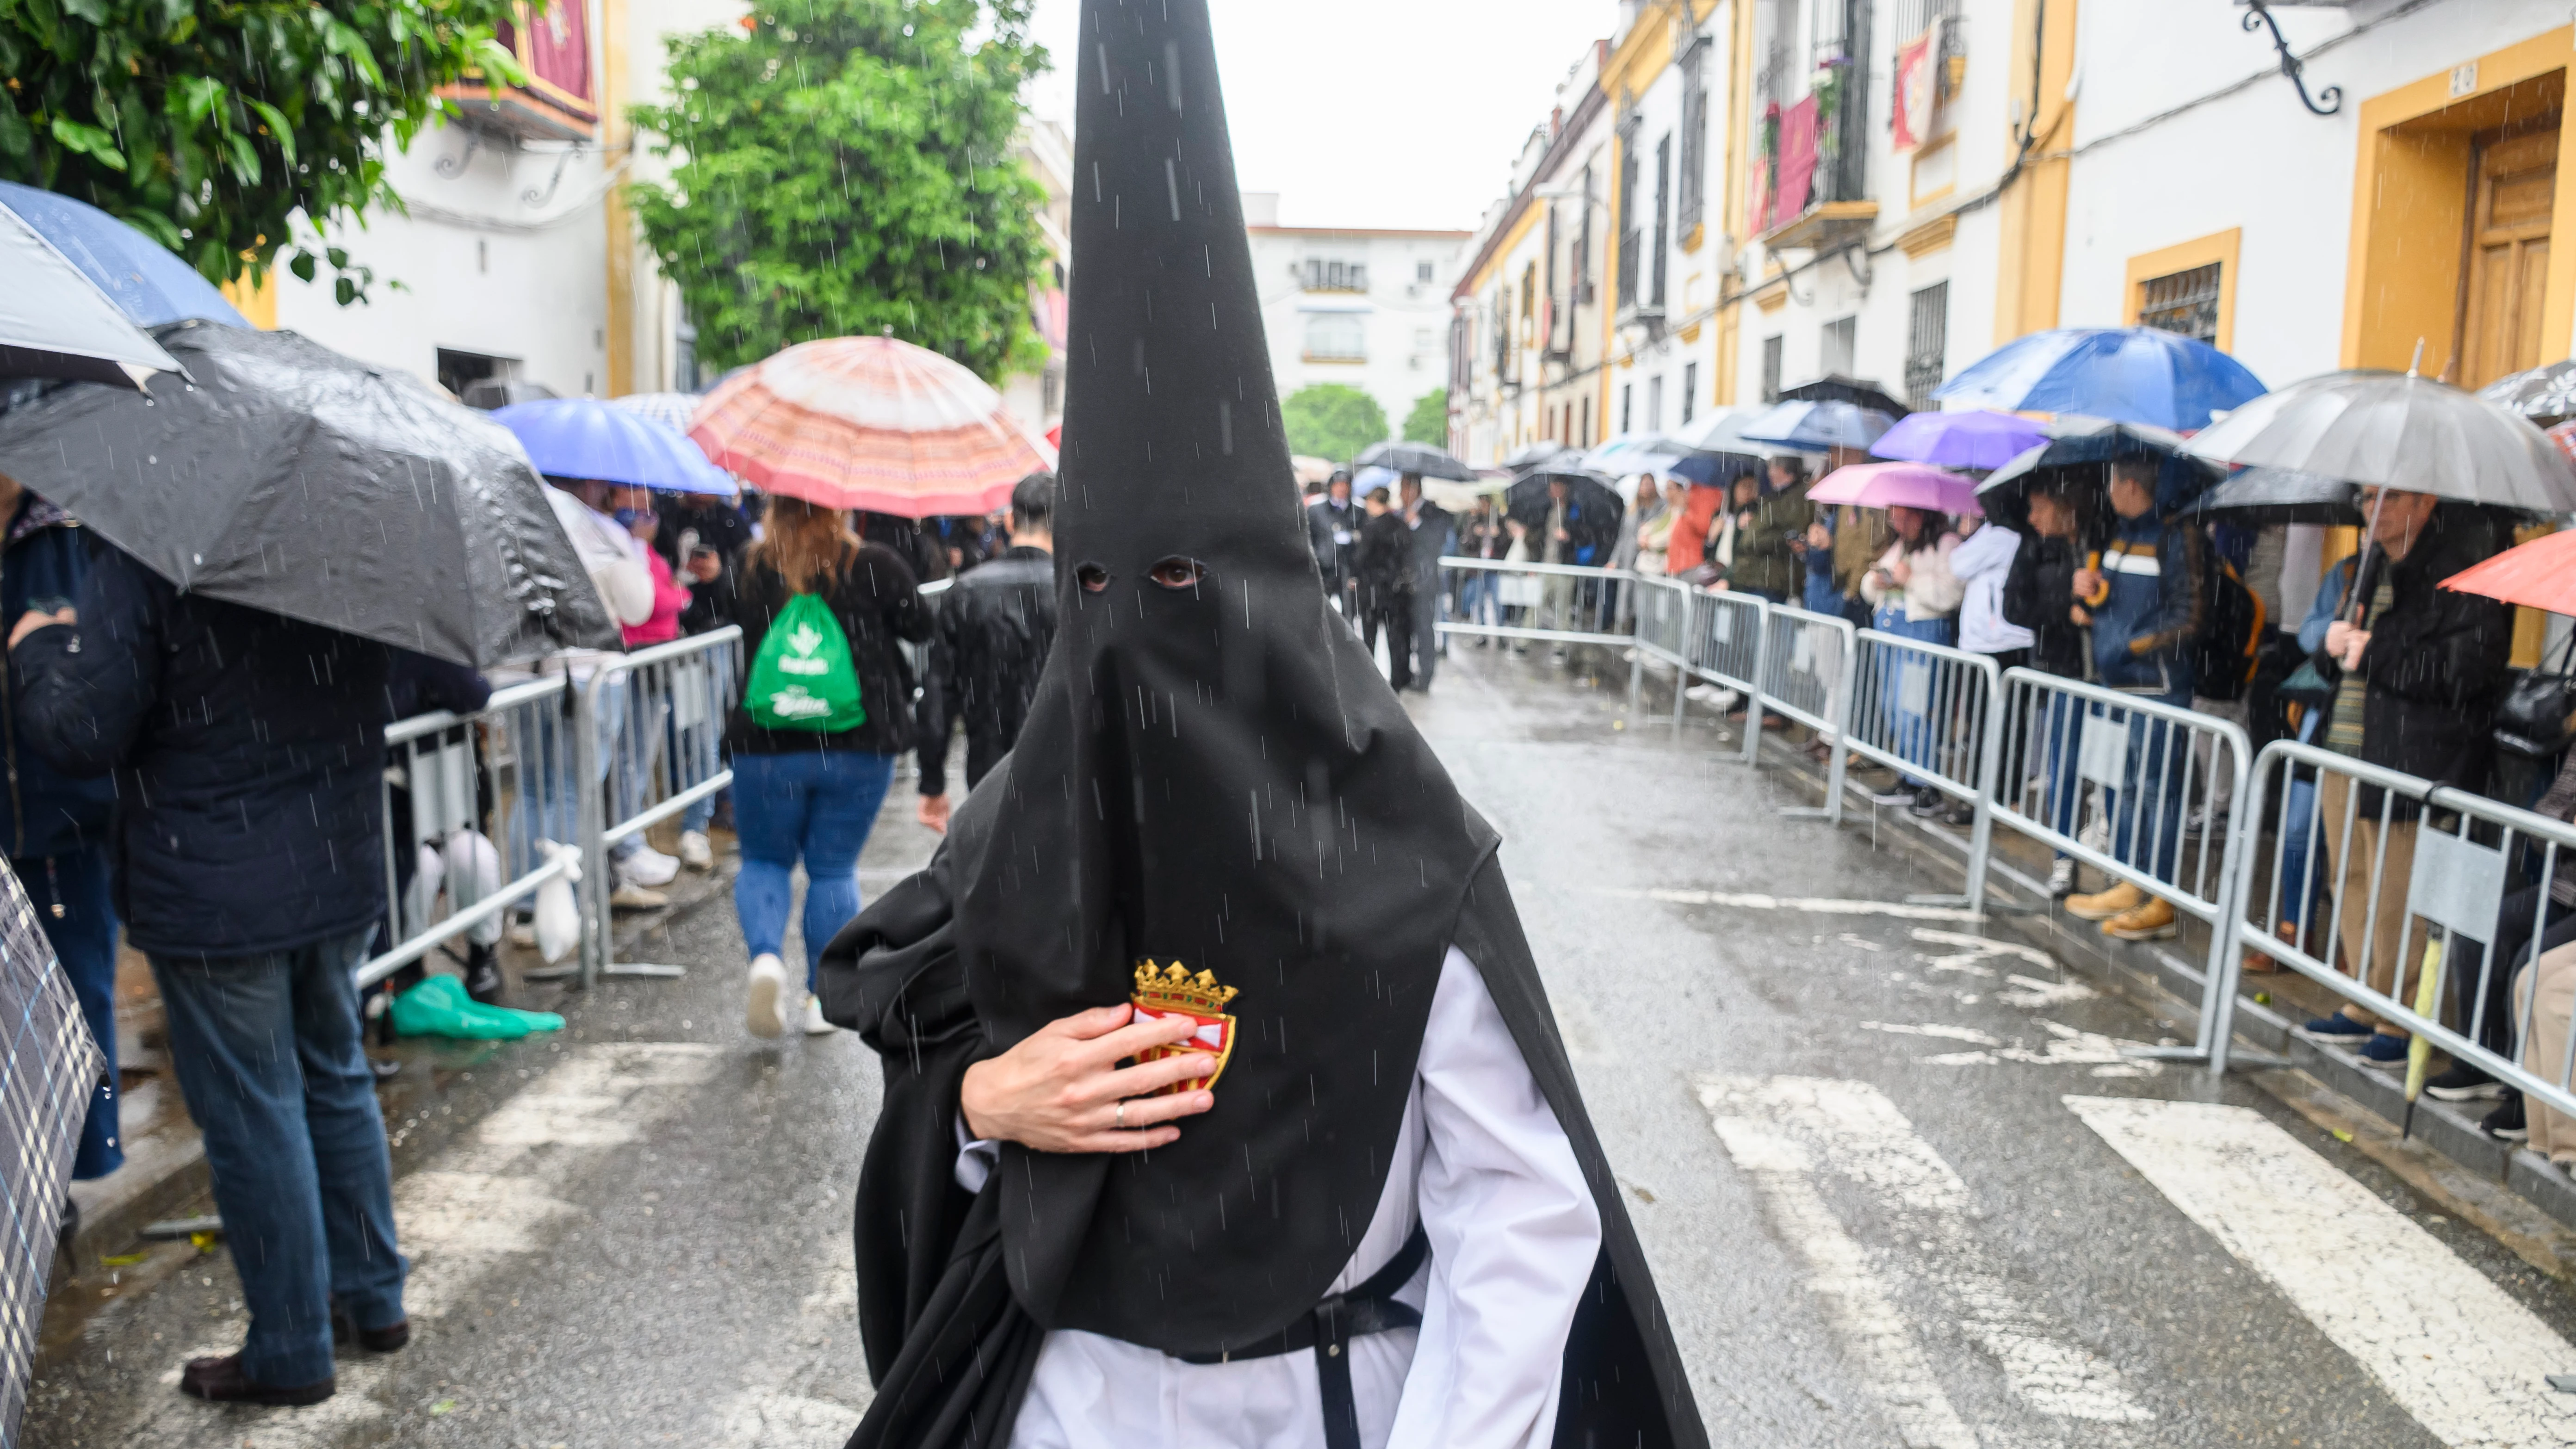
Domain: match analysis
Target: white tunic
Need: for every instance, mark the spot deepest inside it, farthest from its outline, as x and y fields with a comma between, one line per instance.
x=1483, y=1165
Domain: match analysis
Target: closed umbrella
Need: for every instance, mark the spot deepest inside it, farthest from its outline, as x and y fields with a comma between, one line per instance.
x=55, y=322
x=2126, y=374
x=1980, y=439
x=2398, y=430
x=579, y=437
x=50, y=1067
x=1898, y=485
x=146, y=282
x=1816, y=426
x=292, y=479
x=869, y=423
x=1420, y=458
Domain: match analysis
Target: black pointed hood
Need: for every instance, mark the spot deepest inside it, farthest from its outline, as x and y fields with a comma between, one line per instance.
x=1213, y=772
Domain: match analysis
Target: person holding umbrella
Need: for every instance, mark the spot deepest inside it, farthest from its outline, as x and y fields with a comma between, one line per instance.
x=1914, y=595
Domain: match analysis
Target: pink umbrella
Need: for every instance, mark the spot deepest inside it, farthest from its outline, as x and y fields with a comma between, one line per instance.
x=1898, y=485
x=869, y=423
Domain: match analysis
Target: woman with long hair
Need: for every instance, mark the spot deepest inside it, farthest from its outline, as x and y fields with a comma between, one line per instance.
x=802, y=790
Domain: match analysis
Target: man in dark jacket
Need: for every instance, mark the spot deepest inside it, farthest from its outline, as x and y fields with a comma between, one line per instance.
x=57, y=840
x=2143, y=596
x=2039, y=595
x=248, y=752
x=2422, y=671
x=1384, y=561
x=1429, y=540
x=1333, y=525
x=987, y=647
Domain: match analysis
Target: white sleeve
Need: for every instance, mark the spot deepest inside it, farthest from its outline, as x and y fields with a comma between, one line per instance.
x=1514, y=1235
x=615, y=570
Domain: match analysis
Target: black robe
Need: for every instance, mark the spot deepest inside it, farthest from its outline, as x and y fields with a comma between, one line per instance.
x=950, y=1349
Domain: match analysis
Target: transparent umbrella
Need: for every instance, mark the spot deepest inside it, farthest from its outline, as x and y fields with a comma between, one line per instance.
x=2397, y=430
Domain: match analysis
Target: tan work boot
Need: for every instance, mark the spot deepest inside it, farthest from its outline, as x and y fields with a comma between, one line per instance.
x=2152, y=921
x=2122, y=896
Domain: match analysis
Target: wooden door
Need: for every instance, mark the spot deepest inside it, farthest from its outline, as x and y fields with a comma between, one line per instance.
x=2515, y=189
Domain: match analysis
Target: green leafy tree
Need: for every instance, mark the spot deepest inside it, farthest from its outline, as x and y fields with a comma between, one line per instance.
x=209, y=124
x=845, y=169
x=1428, y=422
x=1332, y=420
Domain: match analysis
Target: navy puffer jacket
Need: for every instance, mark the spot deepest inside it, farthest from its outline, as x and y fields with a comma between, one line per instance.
x=50, y=812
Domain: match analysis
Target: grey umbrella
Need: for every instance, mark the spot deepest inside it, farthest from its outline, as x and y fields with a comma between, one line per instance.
x=295, y=480
x=2261, y=496
x=54, y=322
x=50, y=1067
x=1420, y=458
x=2397, y=430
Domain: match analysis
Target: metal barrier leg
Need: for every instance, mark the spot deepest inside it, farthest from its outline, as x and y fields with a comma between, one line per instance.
x=1753, y=684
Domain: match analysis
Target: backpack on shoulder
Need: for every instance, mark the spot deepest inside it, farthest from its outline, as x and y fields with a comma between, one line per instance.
x=802, y=678
x=2233, y=626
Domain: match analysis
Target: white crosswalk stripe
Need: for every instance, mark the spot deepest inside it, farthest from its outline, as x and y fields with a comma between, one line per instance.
x=2449, y=1346
x=1784, y=1131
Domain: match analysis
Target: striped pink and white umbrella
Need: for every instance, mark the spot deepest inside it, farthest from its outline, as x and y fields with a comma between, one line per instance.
x=869, y=423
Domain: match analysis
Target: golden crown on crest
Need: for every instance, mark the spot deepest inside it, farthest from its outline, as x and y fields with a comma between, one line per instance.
x=1173, y=985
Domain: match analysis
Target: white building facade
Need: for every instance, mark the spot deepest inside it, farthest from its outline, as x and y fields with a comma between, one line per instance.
x=1361, y=307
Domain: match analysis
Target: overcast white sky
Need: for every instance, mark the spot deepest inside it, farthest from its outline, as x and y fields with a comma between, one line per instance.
x=1392, y=113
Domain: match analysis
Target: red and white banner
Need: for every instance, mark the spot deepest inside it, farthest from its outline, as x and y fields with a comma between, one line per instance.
x=1914, y=83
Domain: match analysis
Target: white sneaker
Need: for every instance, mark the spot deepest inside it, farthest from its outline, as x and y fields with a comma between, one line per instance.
x=764, y=1012
x=815, y=1025
x=632, y=897
x=696, y=851
x=648, y=867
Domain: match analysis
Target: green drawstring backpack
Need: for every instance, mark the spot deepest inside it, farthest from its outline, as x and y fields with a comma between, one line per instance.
x=802, y=678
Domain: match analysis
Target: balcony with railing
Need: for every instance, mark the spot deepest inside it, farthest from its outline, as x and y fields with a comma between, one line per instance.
x=1811, y=130
x=559, y=102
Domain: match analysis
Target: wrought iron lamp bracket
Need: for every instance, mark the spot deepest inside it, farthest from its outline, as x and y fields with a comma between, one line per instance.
x=2327, y=102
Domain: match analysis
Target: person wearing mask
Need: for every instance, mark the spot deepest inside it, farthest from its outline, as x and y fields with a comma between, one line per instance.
x=1915, y=596
x=1769, y=536
x=2422, y=670
x=1384, y=560
x=1429, y=526
x=2144, y=597
x=611, y=533
x=247, y=751
x=1333, y=524
x=2039, y=592
x=58, y=823
x=989, y=643
x=807, y=789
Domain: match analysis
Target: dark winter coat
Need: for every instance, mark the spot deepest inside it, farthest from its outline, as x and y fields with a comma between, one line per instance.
x=719, y=525
x=1385, y=561
x=877, y=604
x=1428, y=543
x=248, y=751
x=2439, y=660
x=2039, y=595
x=989, y=644
x=1764, y=562
x=49, y=811
x=1323, y=520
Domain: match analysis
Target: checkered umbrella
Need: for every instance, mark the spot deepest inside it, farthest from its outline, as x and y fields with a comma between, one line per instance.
x=49, y=1067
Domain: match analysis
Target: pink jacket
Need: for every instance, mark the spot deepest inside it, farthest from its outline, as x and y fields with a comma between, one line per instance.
x=669, y=598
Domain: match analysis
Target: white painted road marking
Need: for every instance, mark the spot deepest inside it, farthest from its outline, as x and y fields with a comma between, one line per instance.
x=2449, y=1346
x=1783, y=1129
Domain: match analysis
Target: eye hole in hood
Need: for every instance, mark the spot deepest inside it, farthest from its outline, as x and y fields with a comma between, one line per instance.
x=1092, y=577
x=1177, y=572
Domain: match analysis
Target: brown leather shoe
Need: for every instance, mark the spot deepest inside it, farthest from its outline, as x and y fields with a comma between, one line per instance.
x=221, y=1381
x=388, y=1339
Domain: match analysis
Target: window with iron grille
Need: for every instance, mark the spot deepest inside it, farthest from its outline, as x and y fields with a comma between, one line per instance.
x=1690, y=391
x=1771, y=350
x=1631, y=231
x=1694, y=135
x=2184, y=302
x=1663, y=216
x=1331, y=276
x=1927, y=343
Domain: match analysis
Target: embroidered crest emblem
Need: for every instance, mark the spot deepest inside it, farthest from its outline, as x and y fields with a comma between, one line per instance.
x=1169, y=991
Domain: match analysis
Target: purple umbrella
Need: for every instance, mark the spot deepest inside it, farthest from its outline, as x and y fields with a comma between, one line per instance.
x=1981, y=439
x=1898, y=485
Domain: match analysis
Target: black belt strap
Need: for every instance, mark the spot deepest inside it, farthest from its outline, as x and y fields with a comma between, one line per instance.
x=1329, y=1329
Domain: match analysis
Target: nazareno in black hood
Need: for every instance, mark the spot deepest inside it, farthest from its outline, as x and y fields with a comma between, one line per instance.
x=1213, y=772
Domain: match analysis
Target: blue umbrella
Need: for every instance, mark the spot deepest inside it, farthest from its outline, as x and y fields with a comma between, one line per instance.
x=148, y=284
x=1816, y=426
x=1979, y=439
x=2126, y=374
x=581, y=437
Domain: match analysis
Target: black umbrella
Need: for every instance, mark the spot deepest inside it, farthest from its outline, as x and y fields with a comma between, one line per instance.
x=1538, y=452
x=1420, y=458
x=2087, y=444
x=1527, y=500
x=1835, y=387
x=290, y=478
x=50, y=1067
x=2261, y=496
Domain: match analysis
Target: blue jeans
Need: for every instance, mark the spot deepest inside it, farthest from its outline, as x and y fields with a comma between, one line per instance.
x=268, y=1053
x=2065, y=788
x=815, y=804
x=1910, y=730
x=84, y=940
x=1822, y=597
x=2159, y=754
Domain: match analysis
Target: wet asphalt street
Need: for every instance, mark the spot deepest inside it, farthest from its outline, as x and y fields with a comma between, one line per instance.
x=1897, y=1181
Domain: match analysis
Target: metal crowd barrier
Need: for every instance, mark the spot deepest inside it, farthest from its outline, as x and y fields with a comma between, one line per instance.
x=648, y=734
x=1810, y=664
x=1559, y=603
x=2426, y=937
x=1726, y=641
x=467, y=801
x=1927, y=711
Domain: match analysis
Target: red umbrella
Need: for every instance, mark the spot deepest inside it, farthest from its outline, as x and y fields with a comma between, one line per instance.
x=869, y=423
x=2540, y=574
